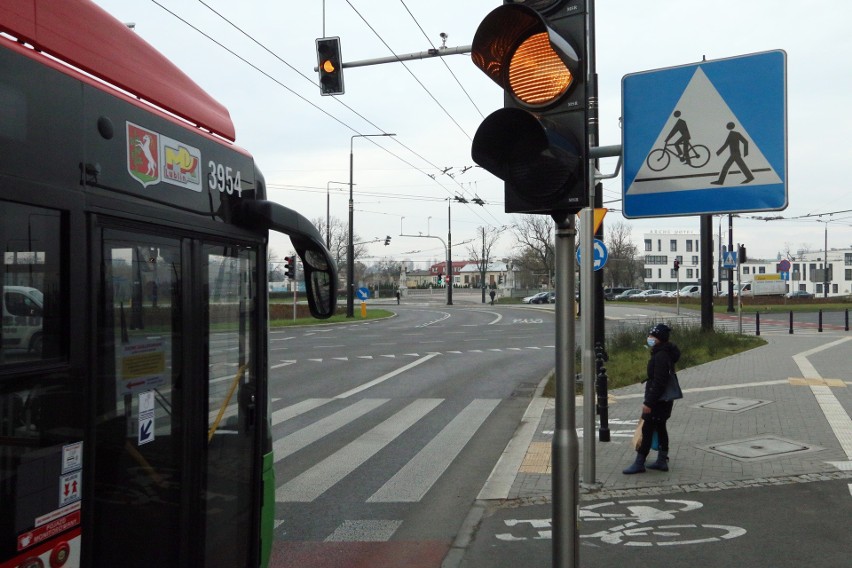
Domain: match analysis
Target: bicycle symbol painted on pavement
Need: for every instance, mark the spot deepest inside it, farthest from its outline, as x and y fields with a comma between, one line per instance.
x=643, y=527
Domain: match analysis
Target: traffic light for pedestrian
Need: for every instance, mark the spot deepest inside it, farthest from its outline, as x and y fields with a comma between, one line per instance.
x=677, y=264
x=741, y=254
x=387, y=240
x=290, y=267
x=330, y=66
x=440, y=277
x=537, y=143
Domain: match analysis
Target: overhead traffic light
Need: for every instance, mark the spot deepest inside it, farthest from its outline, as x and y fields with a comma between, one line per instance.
x=290, y=267
x=537, y=143
x=330, y=66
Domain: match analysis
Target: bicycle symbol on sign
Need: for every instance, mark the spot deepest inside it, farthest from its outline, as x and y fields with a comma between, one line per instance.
x=641, y=524
x=696, y=156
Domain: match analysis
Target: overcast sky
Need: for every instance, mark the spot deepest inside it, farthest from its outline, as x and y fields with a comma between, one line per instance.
x=301, y=140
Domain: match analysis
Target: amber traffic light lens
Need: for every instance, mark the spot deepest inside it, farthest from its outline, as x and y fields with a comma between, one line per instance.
x=328, y=66
x=537, y=76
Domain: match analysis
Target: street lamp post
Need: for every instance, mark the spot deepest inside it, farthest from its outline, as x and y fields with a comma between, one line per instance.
x=328, y=213
x=350, y=253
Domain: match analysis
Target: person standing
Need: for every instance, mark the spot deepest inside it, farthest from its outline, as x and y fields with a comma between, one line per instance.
x=655, y=411
x=492, y=293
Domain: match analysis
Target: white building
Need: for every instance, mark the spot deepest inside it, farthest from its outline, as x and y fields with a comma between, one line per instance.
x=662, y=247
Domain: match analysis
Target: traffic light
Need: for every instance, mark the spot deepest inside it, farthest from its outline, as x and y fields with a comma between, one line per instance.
x=677, y=264
x=330, y=66
x=537, y=143
x=290, y=267
x=387, y=240
x=741, y=254
x=440, y=277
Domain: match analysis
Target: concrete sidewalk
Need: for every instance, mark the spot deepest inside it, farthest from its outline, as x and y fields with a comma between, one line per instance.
x=778, y=414
x=755, y=394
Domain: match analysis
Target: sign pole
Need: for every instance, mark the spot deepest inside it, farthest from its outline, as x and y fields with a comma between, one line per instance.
x=566, y=446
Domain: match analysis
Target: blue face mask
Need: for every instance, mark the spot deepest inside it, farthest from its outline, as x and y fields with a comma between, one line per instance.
x=651, y=341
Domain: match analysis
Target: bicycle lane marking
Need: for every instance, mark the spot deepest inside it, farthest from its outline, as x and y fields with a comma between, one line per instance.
x=642, y=528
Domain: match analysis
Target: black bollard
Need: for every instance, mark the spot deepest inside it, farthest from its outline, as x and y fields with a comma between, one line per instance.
x=603, y=396
x=820, y=321
x=791, y=322
x=757, y=323
x=847, y=319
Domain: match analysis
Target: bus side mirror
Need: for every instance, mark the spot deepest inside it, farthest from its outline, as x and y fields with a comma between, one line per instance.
x=319, y=267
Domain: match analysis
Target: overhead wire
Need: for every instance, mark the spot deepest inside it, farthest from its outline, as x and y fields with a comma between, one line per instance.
x=276, y=56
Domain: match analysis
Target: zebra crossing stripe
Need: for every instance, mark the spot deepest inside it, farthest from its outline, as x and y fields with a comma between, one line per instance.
x=315, y=481
x=411, y=483
x=291, y=444
x=364, y=531
x=289, y=412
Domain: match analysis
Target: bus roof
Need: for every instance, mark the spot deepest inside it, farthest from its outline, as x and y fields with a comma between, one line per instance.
x=84, y=35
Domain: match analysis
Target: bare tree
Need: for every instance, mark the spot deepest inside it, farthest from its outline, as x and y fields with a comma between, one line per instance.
x=339, y=243
x=622, y=266
x=480, y=253
x=536, y=248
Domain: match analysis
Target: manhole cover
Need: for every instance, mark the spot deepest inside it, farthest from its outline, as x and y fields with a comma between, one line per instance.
x=732, y=404
x=760, y=448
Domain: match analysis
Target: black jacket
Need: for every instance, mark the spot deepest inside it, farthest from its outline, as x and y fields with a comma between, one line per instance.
x=662, y=361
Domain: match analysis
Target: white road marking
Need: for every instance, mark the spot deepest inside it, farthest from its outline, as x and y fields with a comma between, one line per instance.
x=414, y=480
x=387, y=376
x=315, y=481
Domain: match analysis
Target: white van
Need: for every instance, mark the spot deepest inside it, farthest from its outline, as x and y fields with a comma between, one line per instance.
x=690, y=291
x=22, y=318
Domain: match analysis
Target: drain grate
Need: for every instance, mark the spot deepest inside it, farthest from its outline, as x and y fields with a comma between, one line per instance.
x=732, y=404
x=760, y=448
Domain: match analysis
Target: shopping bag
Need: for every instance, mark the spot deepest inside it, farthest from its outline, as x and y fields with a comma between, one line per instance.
x=672, y=391
x=637, y=435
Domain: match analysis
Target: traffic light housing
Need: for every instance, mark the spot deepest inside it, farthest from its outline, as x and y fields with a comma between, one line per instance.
x=290, y=267
x=330, y=66
x=741, y=254
x=677, y=264
x=387, y=240
x=538, y=143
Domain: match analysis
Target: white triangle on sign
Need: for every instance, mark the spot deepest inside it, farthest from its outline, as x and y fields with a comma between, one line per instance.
x=707, y=116
x=729, y=259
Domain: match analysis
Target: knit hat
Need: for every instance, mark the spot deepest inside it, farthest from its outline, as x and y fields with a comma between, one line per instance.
x=661, y=331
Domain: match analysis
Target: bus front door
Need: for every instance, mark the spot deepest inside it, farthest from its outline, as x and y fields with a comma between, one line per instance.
x=175, y=437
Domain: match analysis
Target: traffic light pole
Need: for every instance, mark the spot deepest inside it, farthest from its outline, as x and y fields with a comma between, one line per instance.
x=566, y=446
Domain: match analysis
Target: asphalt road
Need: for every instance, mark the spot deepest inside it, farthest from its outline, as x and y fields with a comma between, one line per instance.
x=386, y=430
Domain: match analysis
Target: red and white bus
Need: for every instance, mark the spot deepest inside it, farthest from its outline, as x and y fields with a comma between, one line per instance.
x=133, y=364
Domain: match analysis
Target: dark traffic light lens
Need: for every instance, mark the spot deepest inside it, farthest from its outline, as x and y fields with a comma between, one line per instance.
x=537, y=75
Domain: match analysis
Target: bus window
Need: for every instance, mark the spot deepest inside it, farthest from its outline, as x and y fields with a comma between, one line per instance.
x=30, y=238
x=231, y=402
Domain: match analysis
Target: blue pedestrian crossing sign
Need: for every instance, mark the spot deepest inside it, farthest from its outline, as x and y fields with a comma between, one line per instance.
x=729, y=260
x=706, y=138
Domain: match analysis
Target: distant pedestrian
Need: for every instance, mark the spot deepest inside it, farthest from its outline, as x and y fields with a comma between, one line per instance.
x=655, y=412
x=397, y=297
x=492, y=293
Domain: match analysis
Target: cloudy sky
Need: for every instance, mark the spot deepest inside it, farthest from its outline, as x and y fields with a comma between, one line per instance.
x=257, y=58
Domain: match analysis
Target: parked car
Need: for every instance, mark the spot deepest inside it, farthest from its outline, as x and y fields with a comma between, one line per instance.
x=551, y=297
x=611, y=293
x=627, y=294
x=652, y=293
x=540, y=298
x=799, y=294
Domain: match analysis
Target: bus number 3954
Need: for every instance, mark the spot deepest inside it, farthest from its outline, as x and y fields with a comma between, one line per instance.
x=224, y=179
